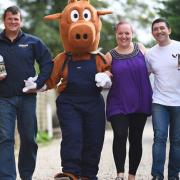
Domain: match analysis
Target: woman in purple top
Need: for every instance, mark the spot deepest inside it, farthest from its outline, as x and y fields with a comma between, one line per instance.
x=129, y=99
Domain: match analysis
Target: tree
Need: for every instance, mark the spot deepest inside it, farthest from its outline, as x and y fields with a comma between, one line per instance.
x=170, y=11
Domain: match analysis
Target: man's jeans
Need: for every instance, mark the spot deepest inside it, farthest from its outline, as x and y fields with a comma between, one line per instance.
x=22, y=108
x=166, y=118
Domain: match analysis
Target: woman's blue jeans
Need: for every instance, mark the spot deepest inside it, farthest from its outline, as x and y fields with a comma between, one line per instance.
x=166, y=121
x=22, y=108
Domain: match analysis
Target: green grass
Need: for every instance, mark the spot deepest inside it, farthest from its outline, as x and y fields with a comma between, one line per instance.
x=43, y=138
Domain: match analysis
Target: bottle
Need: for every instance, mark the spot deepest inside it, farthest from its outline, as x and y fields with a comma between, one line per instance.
x=178, y=61
x=3, y=72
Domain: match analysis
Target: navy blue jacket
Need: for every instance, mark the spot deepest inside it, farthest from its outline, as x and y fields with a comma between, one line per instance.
x=19, y=57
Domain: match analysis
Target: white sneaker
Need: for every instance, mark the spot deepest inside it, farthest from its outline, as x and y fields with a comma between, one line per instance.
x=119, y=178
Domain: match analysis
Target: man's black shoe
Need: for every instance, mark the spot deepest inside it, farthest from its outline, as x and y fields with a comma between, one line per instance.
x=173, y=178
x=157, y=178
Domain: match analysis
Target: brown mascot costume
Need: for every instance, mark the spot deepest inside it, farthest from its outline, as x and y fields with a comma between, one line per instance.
x=79, y=74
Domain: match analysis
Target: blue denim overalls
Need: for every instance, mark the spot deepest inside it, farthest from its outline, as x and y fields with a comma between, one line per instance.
x=81, y=114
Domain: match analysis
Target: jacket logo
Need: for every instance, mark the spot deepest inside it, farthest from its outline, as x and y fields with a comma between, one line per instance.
x=23, y=45
x=79, y=67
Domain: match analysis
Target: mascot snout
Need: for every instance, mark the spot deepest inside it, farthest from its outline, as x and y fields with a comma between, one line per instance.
x=81, y=35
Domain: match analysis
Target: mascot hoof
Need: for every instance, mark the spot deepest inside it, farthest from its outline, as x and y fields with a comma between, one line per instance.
x=65, y=176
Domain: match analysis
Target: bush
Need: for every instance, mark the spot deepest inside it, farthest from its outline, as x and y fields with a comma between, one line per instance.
x=42, y=137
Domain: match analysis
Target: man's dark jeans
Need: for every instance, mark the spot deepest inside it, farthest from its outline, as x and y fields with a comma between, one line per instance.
x=22, y=108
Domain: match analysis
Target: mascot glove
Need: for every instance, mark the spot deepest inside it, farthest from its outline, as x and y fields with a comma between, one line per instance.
x=103, y=80
x=30, y=81
x=30, y=84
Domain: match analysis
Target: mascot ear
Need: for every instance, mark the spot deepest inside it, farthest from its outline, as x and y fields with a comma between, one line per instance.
x=53, y=16
x=100, y=13
x=71, y=1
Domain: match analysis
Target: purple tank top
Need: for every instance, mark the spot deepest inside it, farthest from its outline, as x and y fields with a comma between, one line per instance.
x=131, y=89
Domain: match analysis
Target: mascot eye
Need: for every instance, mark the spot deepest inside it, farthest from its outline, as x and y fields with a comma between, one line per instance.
x=87, y=14
x=74, y=15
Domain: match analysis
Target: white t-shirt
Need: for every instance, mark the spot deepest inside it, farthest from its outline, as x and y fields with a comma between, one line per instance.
x=163, y=63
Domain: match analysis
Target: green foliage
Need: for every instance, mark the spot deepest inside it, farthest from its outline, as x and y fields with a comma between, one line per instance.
x=36, y=66
x=42, y=137
x=107, y=40
x=171, y=13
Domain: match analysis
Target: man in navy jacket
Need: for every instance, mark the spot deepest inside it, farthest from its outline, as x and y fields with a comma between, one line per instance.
x=19, y=52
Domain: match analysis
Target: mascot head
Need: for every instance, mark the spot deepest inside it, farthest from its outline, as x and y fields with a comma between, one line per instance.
x=80, y=26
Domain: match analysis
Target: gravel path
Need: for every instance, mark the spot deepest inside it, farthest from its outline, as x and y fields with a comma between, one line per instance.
x=48, y=161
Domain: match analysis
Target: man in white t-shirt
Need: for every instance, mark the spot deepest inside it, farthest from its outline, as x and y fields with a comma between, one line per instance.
x=163, y=61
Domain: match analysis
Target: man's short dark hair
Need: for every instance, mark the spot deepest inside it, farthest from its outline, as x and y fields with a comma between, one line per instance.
x=158, y=20
x=13, y=10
